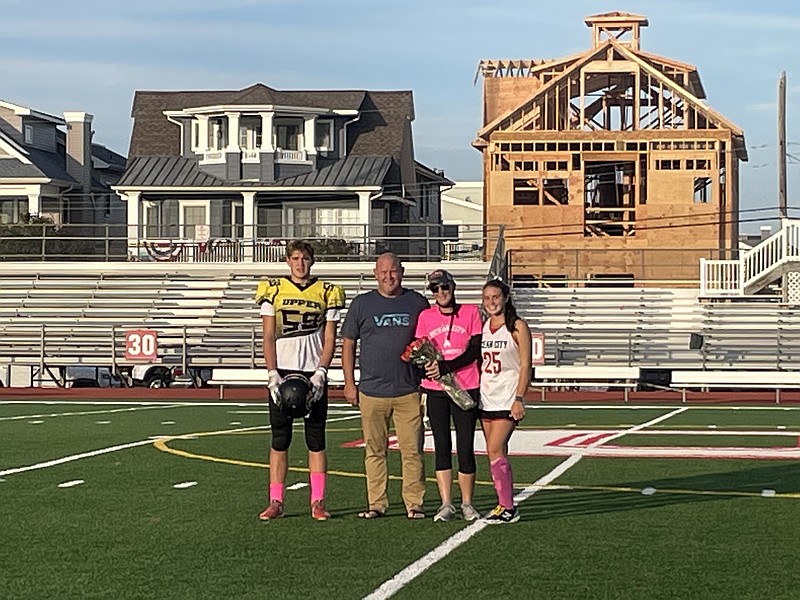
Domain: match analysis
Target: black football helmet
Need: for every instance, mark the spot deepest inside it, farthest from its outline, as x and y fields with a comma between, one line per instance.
x=296, y=392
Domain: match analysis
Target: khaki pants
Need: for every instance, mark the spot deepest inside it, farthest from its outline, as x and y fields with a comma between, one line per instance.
x=407, y=414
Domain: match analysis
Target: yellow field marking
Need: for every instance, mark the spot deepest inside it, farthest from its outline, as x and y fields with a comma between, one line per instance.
x=658, y=491
x=161, y=444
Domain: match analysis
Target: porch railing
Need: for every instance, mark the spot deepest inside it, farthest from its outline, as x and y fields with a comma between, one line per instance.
x=290, y=155
x=175, y=244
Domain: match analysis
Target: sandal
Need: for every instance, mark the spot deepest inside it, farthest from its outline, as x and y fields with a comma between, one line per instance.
x=416, y=513
x=370, y=514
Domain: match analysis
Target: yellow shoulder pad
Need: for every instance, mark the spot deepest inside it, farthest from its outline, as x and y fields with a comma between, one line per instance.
x=267, y=290
x=336, y=296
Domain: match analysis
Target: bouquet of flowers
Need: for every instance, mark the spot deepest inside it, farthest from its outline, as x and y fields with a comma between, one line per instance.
x=422, y=351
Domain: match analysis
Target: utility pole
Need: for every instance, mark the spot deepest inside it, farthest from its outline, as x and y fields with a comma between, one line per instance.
x=782, y=146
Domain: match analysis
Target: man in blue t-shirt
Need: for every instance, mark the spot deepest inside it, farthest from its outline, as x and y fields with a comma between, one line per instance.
x=384, y=321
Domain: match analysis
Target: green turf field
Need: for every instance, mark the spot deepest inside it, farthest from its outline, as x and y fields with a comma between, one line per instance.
x=143, y=501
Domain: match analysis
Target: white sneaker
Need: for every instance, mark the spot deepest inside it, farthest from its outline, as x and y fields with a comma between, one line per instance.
x=468, y=513
x=445, y=513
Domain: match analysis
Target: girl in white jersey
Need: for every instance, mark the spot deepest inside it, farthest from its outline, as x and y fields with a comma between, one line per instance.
x=505, y=376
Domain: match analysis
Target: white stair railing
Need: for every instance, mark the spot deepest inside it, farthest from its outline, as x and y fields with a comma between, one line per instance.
x=755, y=268
x=721, y=277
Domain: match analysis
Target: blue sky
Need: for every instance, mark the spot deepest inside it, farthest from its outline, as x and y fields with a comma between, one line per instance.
x=91, y=55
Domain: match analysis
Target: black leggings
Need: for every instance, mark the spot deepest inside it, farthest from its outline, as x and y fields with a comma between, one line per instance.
x=440, y=410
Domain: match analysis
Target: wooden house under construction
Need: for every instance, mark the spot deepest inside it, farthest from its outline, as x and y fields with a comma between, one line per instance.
x=608, y=163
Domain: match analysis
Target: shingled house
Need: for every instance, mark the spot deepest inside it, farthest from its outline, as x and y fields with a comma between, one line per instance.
x=49, y=166
x=608, y=162
x=245, y=170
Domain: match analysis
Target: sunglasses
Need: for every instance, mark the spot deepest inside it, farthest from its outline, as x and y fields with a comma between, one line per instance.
x=445, y=287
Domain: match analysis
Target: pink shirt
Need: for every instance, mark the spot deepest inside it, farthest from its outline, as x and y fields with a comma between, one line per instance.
x=450, y=335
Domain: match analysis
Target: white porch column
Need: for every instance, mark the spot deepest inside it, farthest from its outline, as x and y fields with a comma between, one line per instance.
x=249, y=210
x=266, y=131
x=233, y=131
x=364, y=215
x=202, y=134
x=133, y=200
x=309, y=127
x=35, y=202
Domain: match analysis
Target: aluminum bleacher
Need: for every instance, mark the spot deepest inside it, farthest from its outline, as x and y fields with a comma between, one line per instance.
x=593, y=326
x=55, y=314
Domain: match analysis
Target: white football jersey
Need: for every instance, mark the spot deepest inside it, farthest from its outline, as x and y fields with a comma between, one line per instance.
x=500, y=366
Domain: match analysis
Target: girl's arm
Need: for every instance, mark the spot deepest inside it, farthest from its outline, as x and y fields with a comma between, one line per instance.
x=522, y=335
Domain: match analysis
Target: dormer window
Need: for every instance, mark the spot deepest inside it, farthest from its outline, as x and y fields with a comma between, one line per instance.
x=250, y=133
x=288, y=134
x=28, y=134
x=195, y=135
x=217, y=133
x=323, y=135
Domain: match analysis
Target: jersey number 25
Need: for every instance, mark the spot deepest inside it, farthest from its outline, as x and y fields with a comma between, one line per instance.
x=491, y=363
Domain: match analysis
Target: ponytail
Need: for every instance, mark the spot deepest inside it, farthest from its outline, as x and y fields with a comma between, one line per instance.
x=511, y=316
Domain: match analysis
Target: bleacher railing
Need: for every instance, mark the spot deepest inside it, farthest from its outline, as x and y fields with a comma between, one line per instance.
x=49, y=347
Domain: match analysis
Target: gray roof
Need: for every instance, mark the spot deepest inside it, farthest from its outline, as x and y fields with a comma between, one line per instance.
x=167, y=171
x=51, y=165
x=11, y=167
x=45, y=165
x=176, y=171
x=349, y=172
x=382, y=129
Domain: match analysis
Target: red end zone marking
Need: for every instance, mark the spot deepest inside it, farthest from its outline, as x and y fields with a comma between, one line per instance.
x=558, y=442
x=595, y=438
x=562, y=441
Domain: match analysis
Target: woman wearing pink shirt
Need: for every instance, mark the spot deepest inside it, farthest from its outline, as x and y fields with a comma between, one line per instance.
x=455, y=331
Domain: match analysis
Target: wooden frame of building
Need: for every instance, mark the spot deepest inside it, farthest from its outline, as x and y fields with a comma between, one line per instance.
x=601, y=162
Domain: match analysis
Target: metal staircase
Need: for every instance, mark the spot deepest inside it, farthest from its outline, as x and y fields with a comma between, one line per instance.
x=758, y=267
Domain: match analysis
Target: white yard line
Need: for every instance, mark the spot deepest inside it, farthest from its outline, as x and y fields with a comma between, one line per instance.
x=92, y=453
x=74, y=457
x=86, y=412
x=531, y=406
x=131, y=403
x=338, y=404
x=415, y=569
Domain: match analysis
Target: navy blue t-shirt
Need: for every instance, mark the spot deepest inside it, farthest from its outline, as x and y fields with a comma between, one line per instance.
x=384, y=327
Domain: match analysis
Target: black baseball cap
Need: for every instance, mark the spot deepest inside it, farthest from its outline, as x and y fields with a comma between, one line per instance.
x=441, y=277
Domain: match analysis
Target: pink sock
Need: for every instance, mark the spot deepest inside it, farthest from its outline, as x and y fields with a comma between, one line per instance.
x=276, y=492
x=503, y=482
x=317, y=486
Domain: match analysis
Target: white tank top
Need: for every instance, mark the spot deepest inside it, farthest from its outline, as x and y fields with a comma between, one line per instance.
x=499, y=368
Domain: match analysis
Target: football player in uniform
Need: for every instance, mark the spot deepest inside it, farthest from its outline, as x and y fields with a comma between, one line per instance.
x=300, y=314
x=505, y=377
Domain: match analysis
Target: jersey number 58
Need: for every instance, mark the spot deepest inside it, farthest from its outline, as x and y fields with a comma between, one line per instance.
x=298, y=323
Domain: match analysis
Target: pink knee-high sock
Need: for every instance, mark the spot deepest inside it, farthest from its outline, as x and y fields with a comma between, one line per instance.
x=276, y=492
x=317, y=486
x=503, y=482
